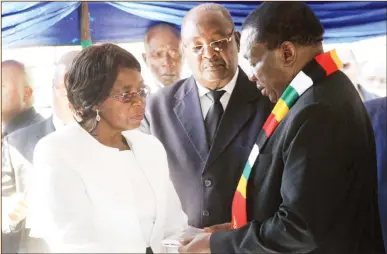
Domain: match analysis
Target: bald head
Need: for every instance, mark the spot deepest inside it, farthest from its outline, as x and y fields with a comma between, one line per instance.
x=13, y=64
x=16, y=91
x=60, y=103
x=160, y=28
x=210, y=45
x=205, y=10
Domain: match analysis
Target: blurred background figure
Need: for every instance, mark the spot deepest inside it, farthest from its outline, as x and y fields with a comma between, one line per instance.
x=377, y=110
x=373, y=76
x=351, y=68
x=17, y=112
x=162, y=54
x=16, y=98
x=20, y=146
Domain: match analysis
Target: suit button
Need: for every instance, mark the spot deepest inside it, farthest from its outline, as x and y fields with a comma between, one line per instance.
x=207, y=183
x=206, y=213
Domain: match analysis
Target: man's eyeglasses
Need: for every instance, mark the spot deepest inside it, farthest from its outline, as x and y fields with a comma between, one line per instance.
x=218, y=45
x=127, y=97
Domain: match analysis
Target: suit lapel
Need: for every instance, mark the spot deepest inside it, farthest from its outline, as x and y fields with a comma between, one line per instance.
x=188, y=111
x=49, y=126
x=241, y=107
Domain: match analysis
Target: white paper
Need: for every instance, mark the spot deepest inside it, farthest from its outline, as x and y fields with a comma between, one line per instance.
x=174, y=240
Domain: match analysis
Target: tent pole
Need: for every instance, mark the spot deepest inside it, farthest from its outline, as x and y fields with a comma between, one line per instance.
x=85, y=25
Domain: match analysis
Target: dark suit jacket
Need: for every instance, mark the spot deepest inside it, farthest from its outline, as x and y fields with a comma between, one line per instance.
x=313, y=188
x=205, y=180
x=377, y=110
x=21, y=145
x=24, y=119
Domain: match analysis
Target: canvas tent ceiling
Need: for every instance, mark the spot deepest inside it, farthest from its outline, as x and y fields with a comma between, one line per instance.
x=58, y=23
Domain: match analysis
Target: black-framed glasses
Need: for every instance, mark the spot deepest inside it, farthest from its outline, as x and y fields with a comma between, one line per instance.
x=218, y=45
x=127, y=97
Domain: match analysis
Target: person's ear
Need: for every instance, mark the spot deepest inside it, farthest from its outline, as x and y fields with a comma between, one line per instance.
x=288, y=53
x=144, y=57
x=27, y=94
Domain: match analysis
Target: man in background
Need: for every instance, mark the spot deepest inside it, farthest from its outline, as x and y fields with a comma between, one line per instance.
x=21, y=145
x=354, y=71
x=377, y=110
x=16, y=98
x=163, y=54
x=373, y=76
x=17, y=112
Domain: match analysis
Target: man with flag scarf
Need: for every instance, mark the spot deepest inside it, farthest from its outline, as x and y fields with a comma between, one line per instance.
x=309, y=185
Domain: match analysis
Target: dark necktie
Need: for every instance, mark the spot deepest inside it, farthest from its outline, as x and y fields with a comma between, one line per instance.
x=214, y=115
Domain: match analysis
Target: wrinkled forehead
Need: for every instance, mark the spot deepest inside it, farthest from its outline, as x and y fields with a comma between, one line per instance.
x=162, y=36
x=206, y=25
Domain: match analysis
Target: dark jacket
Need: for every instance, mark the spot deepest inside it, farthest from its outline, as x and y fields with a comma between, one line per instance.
x=205, y=179
x=19, y=151
x=377, y=110
x=313, y=188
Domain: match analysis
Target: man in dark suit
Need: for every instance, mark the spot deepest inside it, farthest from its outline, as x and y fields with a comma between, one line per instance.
x=377, y=110
x=313, y=187
x=20, y=148
x=208, y=122
x=17, y=112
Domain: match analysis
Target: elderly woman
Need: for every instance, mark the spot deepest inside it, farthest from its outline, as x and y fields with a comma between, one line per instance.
x=101, y=185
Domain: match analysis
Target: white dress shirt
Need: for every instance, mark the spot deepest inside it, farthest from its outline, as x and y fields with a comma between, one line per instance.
x=87, y=197
x=206, y=102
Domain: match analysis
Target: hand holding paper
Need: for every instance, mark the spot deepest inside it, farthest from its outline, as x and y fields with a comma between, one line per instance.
x=198, y=244
x=219, y=227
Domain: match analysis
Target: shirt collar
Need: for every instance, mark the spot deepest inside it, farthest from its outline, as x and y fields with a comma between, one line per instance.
x=202, y=90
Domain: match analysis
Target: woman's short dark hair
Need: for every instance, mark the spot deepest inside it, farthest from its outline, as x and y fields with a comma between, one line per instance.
x=91, y=77
x=276, y=22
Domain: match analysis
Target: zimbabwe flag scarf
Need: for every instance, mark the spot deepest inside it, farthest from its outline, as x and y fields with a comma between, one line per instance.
x=320, y=67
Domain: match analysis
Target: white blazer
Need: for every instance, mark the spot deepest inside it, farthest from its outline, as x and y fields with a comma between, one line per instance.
x=79, y=202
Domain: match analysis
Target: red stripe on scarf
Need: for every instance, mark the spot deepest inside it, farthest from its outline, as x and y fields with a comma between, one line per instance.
x=270, y=125
x=327, y=63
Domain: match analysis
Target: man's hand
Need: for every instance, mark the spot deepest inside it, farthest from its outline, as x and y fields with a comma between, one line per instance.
x=219, y=227
x=198, y=244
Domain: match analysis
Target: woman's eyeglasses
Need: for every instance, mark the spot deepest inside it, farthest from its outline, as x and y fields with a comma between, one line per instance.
x=127, y=97
x=218, y=45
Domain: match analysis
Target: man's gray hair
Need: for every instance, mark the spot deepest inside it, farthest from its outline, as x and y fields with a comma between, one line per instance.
x=161, y=25
x=207, y=7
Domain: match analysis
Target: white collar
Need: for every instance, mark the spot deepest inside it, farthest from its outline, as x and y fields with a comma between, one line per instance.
x=202, y=90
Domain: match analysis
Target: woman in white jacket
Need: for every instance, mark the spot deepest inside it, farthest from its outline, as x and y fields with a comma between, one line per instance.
x=100, y=185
